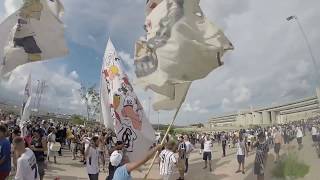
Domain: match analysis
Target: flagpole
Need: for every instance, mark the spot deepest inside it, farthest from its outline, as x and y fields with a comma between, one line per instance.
x=162, y=142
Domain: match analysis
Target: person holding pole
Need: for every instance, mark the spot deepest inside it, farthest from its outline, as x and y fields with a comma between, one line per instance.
x=123, y=172
x=167, y=160
x=182, y=152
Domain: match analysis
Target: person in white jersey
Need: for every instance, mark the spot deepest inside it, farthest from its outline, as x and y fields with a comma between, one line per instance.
x=314, y=134
x=207, y=155
x=299, y=136
x=92, y=159
x=241, y=153
x=167, y=160
x=27, y=168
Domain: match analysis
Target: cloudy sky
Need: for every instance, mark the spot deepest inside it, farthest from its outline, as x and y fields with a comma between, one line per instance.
x=270, y=64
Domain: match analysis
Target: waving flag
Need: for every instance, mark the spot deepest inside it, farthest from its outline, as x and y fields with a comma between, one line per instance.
x=180, y=46
x=26, y=109
x=121, y=109
x=33, y=33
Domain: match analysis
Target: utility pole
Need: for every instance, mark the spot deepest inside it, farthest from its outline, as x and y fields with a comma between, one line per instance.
x=305, y=37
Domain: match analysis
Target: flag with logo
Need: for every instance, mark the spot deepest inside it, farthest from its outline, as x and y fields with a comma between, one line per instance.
x=26, y=108
x=35, y=32
x=121, y=109
x=180, y=46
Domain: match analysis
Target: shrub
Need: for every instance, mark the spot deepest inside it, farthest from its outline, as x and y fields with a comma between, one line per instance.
x=290, y=166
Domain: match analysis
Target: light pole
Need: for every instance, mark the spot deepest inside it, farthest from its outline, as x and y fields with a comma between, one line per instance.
x=296, y=19
x=158, y=120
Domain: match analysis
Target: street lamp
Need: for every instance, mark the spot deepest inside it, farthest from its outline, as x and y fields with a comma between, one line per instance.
x=158, y=120
x=295, y=18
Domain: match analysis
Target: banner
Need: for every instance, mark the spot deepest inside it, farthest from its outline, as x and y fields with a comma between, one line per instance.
x=121, y=108
x=180, y=46
x=26, y=108
x=35, y=32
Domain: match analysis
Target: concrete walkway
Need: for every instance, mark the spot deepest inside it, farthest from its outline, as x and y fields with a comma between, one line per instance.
x=224, y=168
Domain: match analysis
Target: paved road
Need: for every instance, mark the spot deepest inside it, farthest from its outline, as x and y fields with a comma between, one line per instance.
x=224, y=168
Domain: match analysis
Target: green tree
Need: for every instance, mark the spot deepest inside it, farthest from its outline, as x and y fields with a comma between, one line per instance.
x=76, y=119
x=91, y=97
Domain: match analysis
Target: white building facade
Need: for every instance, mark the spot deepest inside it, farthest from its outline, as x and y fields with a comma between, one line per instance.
x=294, y=111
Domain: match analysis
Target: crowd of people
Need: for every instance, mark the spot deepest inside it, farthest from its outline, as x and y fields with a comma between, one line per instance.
x=261, y=140
x=26, y=152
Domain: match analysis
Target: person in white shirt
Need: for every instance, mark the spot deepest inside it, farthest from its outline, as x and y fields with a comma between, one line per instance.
x=189, y=149
x=167, y=160
x=51, y=141
x=207, y=155
x=27, y=168
x=314, y=134
x=299, y=137
x=241, y=153
x=92, y=159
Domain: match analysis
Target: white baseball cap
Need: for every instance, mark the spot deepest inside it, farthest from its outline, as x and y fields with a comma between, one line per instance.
x=115, y=158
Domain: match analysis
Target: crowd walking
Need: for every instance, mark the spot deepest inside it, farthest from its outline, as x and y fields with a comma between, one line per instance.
x=27, y=157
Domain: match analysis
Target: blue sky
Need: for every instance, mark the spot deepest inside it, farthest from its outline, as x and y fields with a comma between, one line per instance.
x=270, y=63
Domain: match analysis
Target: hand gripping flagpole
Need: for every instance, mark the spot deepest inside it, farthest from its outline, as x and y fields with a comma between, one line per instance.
x=162, y=142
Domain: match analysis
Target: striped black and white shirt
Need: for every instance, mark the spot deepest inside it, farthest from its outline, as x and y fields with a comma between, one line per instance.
x=261, y=152
x=167, y=162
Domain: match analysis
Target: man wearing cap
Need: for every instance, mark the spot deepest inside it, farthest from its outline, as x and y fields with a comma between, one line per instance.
x=123, y=172
x=114, y=159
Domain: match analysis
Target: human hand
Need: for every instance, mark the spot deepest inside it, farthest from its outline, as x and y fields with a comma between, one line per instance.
x=159, y=147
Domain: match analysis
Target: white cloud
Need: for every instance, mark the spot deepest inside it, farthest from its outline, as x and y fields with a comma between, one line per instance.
x=74, y=75
x=194, y=107
x=61, y=93
x=127, y=62
x=270, y=62
x=92, y=38
x=121, y=20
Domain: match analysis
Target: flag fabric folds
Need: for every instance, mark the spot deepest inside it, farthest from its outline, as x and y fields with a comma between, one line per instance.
x=180, y=46
x=121, y=109
x=26, y=108
x=35, y=32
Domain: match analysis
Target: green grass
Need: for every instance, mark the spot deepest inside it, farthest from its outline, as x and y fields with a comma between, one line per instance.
x=290, y=166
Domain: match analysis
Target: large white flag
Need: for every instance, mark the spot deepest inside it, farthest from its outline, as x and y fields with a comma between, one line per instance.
x=181, y=45
x=26, y=108
x=121, y=108
x=35, y=32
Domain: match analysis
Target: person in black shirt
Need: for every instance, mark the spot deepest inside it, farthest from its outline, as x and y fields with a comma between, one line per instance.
x=59, y=138
x=224, y=143
x=262, y=149
x=112, y=169
x=109, y=141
